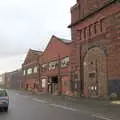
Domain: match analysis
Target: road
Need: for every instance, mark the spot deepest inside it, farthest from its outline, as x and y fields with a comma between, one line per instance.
x=28, y=107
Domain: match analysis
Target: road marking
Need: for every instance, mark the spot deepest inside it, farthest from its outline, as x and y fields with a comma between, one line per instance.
x=40, y=101
x=18, y=94
x=63, y=107
x=101, y=117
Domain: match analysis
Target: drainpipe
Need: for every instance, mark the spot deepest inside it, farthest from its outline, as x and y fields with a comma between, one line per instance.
x=39, y=75
x=59, y=76
x=107, y=82
x=81, y=71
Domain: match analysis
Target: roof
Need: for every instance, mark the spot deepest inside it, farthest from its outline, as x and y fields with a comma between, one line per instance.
x=37, y=51
x=66, y=41
x=63, y=40
x=34, y=52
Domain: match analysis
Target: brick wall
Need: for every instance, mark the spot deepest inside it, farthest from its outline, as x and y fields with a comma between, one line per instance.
x=85, y=7
x=101, y=30
x=56, y=50
x=31, y=81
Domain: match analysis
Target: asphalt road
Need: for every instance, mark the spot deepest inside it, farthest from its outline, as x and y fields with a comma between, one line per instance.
x=28, y=107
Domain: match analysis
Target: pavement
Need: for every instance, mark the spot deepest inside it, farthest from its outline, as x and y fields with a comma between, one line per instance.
x=27, y=106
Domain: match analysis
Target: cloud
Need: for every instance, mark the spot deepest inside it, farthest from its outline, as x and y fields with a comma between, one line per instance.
x=28, y=24
x=11, y=63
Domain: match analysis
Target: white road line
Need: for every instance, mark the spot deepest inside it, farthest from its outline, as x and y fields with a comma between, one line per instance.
x=40, y=101
x=101, y=117
x=63, y=107
x=18, y=94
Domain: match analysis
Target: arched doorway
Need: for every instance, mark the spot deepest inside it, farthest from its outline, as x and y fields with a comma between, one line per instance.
x=95, y=83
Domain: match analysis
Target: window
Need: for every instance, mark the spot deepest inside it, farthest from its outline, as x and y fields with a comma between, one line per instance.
x=80, y=33
x=34, y=85
x=84, y=33
x=101, y=26
x=3, y=93
x=44, y=67
x=65, y=62
x=29, y=71
x=53, y=65
x=89, y=30
x=95, y=27
x=24, y=72
x=35, y=69
x=43, y=83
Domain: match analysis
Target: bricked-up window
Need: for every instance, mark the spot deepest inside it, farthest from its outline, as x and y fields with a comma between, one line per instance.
x=29, y=71
x=65, y=62
x=44, y=67
x=35, y=69
x=24, y=72
x=95, y=27
x=34, y=85
x=101, y=26
x=53, y=65
x=89, y=30
x=80, y=33
x=85, y=33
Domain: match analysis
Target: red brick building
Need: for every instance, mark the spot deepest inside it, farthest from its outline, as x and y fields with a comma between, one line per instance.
x=30, y=69
x=16, y=79
x=13, y=79
x=95, y=29
x=55, y=67
x=7, y=80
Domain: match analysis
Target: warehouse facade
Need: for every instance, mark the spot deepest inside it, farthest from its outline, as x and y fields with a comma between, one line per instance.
x=95, y=29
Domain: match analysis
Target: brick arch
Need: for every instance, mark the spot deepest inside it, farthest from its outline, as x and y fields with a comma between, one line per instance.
x=94, y=72
x=85, y=49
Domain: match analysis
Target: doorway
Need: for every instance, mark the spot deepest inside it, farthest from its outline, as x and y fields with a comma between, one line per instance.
x=53, y=85
x=95, y=73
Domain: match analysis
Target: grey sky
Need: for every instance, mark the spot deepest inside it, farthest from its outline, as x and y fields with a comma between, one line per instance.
x=28, y=24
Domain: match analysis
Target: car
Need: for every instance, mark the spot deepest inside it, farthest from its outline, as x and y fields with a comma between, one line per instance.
x=4, y=100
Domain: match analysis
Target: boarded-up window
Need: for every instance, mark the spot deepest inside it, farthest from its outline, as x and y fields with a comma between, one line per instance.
x=65, y=62
x=29, y=71
x=35, y=69
x=24, y=72
x=43, y=83
x=53, y=65
x=44, y=67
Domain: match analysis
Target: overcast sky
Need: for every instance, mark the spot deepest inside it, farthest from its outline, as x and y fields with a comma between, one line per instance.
x=28, y=24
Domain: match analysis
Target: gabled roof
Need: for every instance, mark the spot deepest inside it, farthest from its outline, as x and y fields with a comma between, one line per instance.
x=63, y=40
x=36, y=51
x=33, y=52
